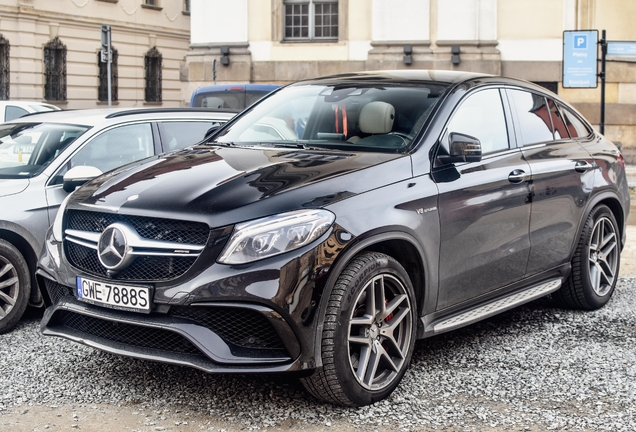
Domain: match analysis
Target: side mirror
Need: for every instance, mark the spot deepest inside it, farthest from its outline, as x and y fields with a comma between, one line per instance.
x=79, y=175
x=212, y=130
x=463, y=148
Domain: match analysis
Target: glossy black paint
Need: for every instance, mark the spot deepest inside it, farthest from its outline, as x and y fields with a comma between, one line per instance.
x=464, y=232
x=484, y=224
x=221, y=186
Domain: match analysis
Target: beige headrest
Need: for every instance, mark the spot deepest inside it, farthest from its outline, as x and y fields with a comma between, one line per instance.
x=377, y=118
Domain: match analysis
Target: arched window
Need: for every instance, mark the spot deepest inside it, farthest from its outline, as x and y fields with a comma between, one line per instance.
x=152, y=63
x=102, y=90
x=55, y=70
x=4, y=68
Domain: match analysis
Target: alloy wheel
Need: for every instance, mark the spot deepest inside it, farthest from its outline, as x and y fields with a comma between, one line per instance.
x=9, y=287
x=380, y=330
x=603, y=256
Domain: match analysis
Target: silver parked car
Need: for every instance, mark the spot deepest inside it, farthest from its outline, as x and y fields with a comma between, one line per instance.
x=44, y=156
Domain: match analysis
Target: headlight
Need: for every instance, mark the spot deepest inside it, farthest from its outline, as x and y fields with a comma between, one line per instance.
x=274, y=235
x=58, y=235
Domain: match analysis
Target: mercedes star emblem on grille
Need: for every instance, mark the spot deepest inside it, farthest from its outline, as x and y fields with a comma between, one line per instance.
x=113, y=248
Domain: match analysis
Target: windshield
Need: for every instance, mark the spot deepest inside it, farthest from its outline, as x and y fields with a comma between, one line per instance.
x=351, y=116
x=27, y=148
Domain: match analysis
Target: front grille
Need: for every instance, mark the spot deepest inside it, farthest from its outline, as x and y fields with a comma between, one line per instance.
x=244, y=328
x=168, y=230
x=57, y=291
x=143, y=268
x=129, y=334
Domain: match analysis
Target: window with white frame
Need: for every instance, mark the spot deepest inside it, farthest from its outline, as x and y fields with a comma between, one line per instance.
x=310, y=20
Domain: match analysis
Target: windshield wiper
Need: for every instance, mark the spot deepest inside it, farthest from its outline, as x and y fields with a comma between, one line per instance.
x=281, y=144
x=221, y=144
x=296, y=146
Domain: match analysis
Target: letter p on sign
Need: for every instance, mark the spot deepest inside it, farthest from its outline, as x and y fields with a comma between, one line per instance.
x=580, y=41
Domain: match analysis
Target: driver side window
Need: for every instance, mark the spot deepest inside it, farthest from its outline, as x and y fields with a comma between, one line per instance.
x=112, y=149
x=481, y=116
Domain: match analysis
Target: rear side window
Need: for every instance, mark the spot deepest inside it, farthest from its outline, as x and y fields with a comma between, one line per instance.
x=560, y=130
x=576, y=127
x=533, y=115
x=14, y=112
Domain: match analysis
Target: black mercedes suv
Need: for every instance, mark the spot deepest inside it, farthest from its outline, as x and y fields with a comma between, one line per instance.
x=330, y=225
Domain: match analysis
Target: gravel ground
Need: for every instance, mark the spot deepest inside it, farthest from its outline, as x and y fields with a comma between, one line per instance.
x=533, y=368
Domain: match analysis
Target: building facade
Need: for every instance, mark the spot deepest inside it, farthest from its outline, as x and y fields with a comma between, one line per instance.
x=279, y=41
x=50, y=51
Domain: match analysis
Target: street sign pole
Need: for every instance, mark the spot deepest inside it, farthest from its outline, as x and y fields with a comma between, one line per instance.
x=107, y=56
x=603, y=43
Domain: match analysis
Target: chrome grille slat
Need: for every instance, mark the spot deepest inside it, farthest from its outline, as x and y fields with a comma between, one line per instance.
x=164, y=249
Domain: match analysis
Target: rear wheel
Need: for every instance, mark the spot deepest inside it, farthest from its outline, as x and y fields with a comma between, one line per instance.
x=595, y=264
x=368, y=334
x=15, y=282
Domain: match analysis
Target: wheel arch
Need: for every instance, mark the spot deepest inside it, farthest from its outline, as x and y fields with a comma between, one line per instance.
x=613, y=202
x=25, y=246
x=399, y=245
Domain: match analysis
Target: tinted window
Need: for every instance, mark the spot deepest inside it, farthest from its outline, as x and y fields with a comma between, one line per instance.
x=221, y=100
x=112, y=149
x=576, y=127
x=14, y=112
x=560, y=131
x=533, y=115
x=482, y=116
x=253, y=96
x=177, y=135
x=27, y=148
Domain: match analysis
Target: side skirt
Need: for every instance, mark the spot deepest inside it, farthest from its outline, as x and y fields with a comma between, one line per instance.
x=493, y=307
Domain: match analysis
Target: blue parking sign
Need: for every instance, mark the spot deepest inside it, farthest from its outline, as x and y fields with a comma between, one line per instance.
x=580, y=55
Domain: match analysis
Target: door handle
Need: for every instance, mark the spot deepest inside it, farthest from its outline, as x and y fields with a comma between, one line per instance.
x=583, y=166
x=517, y=176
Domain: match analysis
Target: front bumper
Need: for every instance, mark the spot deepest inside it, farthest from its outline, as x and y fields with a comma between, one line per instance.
x=250, y=318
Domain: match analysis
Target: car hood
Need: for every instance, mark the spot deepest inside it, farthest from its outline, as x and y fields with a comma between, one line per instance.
x=12, y=186
x=222, y=185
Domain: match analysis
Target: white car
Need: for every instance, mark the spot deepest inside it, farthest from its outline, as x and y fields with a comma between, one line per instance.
x=10, y=110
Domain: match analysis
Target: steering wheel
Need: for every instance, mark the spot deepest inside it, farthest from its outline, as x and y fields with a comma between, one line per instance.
x=401, y=135
x=405, y=137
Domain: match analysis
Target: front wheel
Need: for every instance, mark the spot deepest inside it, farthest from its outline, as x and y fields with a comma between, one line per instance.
x=15, y=282
x=368, y=334
x=595, y=263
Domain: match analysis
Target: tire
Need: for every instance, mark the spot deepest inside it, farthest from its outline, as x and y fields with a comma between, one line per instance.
x=595, y=264
x=357, y=326
x=15, y=282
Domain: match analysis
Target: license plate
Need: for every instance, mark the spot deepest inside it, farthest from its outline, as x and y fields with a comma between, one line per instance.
x=123, y=297
x=23, y=148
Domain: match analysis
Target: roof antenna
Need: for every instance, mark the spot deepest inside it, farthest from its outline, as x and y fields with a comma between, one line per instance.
x=214, y=71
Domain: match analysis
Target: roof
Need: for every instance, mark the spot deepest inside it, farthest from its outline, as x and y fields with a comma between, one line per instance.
x=236, y=87
x=92, y=117
x=404, y=75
